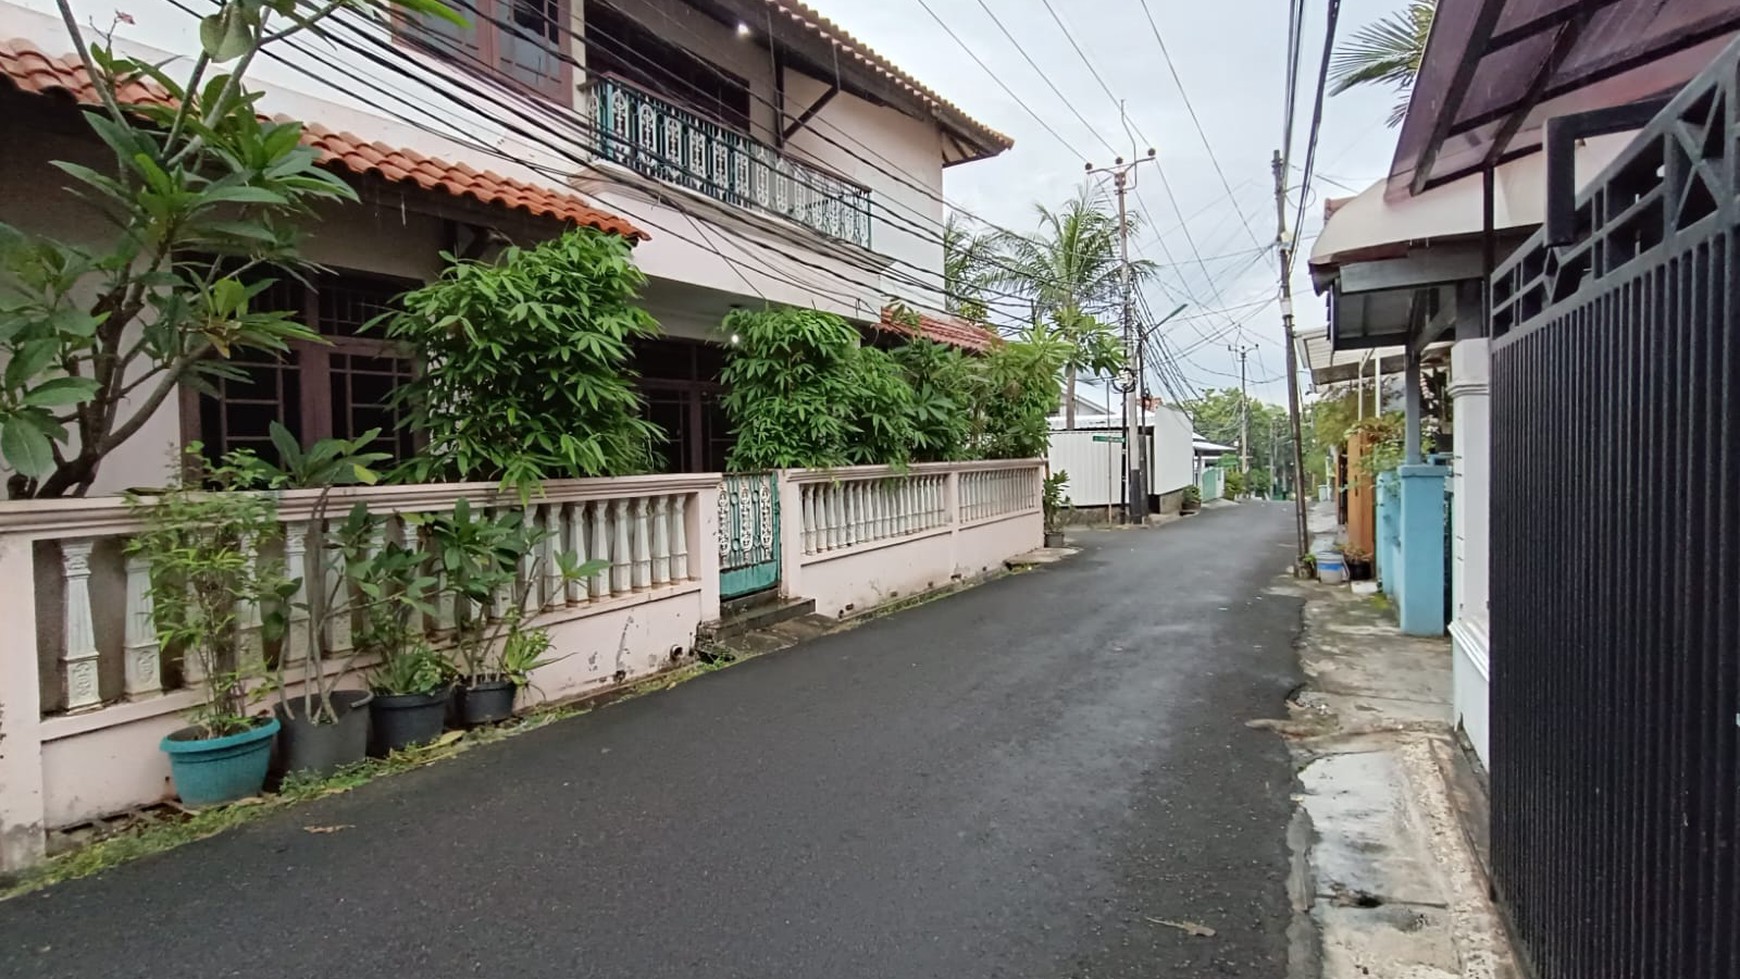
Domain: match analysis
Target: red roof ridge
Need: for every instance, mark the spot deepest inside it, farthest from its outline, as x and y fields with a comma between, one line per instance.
x=31, y=70
x=952, y=330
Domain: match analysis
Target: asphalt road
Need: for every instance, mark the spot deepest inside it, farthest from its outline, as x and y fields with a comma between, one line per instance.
x=1019, y=780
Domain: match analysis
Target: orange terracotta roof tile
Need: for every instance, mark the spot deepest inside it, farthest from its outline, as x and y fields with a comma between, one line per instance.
x=943, y=329
x=29, y=70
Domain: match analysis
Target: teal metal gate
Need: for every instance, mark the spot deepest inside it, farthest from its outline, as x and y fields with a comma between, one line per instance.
x=748, y=534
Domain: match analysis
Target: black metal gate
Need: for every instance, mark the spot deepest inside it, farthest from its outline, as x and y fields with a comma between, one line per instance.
x=1616, y=564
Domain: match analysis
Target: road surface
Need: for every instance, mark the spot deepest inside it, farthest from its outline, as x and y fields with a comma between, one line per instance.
x=1022, y=780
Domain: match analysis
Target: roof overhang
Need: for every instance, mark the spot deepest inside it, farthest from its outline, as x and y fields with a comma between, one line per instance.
x=805, y=39
x=1328, y=365
x=1495, y=70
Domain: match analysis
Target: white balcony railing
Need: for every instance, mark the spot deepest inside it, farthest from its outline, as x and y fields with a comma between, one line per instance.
x=657, y=139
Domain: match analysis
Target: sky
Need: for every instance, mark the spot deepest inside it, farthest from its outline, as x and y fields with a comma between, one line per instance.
x=1230, y=57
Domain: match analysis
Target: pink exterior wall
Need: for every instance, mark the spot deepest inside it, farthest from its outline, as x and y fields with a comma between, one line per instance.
x=855, y=580
x=892, y=564
x=68, y=767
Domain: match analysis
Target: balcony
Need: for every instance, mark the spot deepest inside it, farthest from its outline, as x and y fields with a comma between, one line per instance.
x=657, y=139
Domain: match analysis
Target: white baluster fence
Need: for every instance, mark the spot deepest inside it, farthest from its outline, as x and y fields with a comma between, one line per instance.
x=86, y=691
x=856, y=537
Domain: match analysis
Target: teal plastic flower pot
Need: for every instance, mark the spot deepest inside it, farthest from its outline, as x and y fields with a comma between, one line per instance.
x=213, y=770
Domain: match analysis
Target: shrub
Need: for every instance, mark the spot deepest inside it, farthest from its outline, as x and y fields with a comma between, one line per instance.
x=525, y=359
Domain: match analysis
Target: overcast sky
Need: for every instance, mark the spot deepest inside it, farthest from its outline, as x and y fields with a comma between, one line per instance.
x=1229, y=54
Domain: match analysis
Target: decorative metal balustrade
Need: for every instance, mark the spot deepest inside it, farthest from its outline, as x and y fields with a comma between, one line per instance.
x=653, y=137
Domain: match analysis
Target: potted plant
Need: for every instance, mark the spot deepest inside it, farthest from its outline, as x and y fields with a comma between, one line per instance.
x=494, y=566
x=326, y=726
x=411, y=687
x=1358, y=562
x=491, y=698
x=1053, y=502
x=1192, y=499
x=411, y=682
x=200, y=536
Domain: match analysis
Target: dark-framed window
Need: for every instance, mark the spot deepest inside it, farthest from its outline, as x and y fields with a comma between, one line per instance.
x=679, y=382
x=339, y=388
x=622, y=47
x=520, y=41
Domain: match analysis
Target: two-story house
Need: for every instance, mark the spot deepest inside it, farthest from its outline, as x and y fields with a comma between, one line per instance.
x=755, y=151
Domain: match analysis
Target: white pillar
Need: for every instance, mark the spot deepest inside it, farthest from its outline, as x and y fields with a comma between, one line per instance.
x=704, y=526
x=143, y=670
x=21, y=790
x=574, y=542
x=680, y=539
x=600, y=547
x=1471, y=481
x=296, y=567
x=250, y=643
x=621, y=560
x=80, y=657
x=661, y=540
x=642, y=570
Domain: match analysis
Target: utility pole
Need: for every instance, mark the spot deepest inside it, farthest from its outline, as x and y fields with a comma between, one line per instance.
x=1244, y=353
x=1135, y=488
x=1284, y=246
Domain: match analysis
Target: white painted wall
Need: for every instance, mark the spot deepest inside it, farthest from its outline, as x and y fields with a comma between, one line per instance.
x=1471, y=670
x=900, y=160
x=1096, y=469
x=1174, y=459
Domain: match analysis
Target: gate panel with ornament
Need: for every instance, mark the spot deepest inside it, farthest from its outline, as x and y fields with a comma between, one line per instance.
x=748, y=534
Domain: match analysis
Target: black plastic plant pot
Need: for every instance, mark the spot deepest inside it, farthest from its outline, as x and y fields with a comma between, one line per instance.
x=1358, y=569
x=321, y=749
x=403, y=720
x=486, y=702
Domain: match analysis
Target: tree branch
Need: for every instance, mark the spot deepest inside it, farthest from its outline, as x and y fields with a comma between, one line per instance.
x=99, y=81
x=167, y=384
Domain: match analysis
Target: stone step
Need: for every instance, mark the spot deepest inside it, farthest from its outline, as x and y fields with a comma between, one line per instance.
x=762, y=615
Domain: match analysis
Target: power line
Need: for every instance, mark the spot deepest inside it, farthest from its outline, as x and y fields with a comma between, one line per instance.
x=994, y=77
x=1316, y=118
x=1190, y=108
x=1067, y=102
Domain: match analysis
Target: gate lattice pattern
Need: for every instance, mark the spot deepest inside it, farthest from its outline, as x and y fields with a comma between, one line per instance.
x=1616, y=564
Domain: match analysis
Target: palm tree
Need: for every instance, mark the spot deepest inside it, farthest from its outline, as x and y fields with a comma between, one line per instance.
x=967, y=254
x=1386, y=52
x=1069, y=270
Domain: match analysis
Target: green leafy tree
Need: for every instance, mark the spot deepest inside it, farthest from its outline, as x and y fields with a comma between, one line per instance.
x=1016, y=392
x=200, y=192
x=1070, y=270
x=526, y=374
x=1217, y=417
x=941, y=378
x=880, y=411
x=1386, y=52
x=788, y=388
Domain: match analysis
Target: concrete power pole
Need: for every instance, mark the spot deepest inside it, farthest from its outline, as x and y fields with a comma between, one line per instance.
x=1244, y=353
x=1285, y=248
x=1135, y=488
